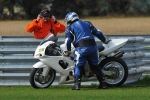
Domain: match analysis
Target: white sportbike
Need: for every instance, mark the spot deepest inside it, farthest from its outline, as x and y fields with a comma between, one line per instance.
x=52, y=61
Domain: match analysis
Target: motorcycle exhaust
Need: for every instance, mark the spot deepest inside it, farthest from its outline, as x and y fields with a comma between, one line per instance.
x=119, y=54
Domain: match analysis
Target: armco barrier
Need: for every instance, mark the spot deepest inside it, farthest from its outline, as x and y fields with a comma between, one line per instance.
x=16, y=58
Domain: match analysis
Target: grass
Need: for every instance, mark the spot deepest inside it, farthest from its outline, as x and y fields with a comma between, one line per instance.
x=108, y=25
x=135, y=91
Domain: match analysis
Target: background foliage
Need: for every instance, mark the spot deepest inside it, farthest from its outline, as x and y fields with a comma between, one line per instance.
x=28, y=9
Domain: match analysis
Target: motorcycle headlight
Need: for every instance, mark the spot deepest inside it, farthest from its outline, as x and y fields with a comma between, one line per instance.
x=37, y=55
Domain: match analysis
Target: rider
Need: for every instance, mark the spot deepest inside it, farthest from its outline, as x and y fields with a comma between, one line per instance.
x=81, y=34
x=44, y=24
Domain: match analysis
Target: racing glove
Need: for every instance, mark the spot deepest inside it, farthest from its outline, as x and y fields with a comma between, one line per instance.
x=107, y=40
x=66, y=53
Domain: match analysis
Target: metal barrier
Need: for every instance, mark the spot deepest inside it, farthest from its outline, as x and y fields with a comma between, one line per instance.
x=133, y=58
x=16, y=58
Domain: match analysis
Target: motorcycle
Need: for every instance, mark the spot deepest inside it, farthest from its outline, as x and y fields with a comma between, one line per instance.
x=52, y=61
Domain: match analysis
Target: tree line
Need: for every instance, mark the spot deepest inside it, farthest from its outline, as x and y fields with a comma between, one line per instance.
x=28, y=9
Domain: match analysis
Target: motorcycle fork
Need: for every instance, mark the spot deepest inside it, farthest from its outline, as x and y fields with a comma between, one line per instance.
x=45, y=71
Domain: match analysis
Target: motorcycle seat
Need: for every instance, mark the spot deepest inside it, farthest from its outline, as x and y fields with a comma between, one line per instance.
x=100, y=48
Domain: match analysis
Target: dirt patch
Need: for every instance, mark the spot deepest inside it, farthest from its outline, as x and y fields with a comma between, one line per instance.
x=109, y=26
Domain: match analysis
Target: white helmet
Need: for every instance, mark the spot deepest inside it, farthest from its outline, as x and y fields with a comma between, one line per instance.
x=71, y=17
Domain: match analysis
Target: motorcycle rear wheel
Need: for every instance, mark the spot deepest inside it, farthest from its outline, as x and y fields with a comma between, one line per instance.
x=39, y=81
x=119, y=69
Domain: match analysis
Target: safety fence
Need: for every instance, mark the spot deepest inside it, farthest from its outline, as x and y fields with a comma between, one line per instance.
x=16, y=58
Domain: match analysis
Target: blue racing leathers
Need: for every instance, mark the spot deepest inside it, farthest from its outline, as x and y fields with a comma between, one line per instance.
x=81, y=34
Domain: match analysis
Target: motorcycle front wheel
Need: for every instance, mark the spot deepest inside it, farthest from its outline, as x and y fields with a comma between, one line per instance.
x=37, y=80
x=118, y=69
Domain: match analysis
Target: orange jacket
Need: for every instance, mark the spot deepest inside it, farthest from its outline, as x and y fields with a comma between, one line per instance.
x=42, y=29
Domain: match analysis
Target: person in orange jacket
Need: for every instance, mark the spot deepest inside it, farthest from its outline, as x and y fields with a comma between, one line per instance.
x=44, y=24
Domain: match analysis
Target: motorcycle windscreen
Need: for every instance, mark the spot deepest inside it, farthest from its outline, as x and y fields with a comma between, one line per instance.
x=49, y=37
x=53, y=50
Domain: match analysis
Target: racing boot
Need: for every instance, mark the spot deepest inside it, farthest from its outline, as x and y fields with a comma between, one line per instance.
x=100, y=76
x=77, y=83
x=101, y=79
x=102, y=84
